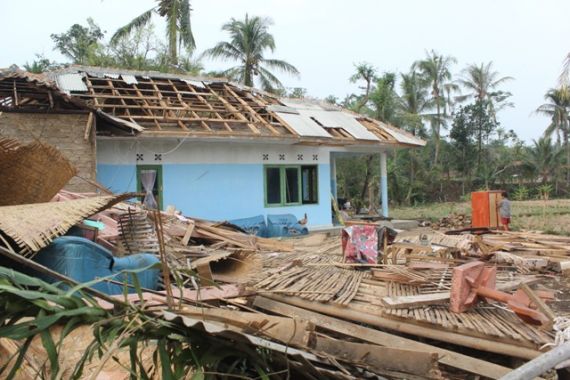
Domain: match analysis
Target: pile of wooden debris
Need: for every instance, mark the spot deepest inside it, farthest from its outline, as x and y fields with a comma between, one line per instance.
x=434, y=306
x=452, y=221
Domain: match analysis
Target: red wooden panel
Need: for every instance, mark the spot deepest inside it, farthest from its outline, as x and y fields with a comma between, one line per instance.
x=480, y=209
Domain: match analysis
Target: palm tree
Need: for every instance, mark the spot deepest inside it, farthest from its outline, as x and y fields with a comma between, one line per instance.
x=178, y=30
x=435, y=70
x=413, y=104
x=249, y=39
x=543, y=158
x=383, y=99
x=414, y=101
x=557, y=108
x=482, y=83
x=367, y=73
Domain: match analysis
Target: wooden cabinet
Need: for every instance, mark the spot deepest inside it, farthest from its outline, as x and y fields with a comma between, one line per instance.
x=484, y=211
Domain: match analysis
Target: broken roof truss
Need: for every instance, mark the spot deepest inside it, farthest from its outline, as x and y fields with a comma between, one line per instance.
x=168, y=105
x=171, y=105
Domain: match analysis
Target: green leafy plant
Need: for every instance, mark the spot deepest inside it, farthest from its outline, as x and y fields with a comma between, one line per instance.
x=31, y=307
x=544, y=191
x=521, y=193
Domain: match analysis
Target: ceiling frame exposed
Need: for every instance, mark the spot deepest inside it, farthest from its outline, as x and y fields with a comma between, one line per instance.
x=152, y=104
x=165, y=104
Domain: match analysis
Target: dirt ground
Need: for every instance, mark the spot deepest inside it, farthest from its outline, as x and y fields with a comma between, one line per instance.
x=552, y=216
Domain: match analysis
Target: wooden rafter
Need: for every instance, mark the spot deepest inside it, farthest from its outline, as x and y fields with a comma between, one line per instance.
x=248, y=107
x=231, y=107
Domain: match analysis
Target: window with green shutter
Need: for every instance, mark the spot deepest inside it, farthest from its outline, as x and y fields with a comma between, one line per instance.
x=290, y=185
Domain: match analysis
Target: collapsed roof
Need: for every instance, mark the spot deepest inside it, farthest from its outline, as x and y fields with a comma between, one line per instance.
x=153, y=104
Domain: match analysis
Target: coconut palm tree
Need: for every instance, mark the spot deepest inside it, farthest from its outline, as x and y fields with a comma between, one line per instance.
x=367, y=73
x=557, y=108
x=249, y=40
x=414, y=103
x=178, y=30
x=543, y=158
x=383, y=99
x=482, y=83
x=435, y=70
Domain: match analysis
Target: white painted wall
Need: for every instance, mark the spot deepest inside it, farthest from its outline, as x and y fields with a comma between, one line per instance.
x=174, y=151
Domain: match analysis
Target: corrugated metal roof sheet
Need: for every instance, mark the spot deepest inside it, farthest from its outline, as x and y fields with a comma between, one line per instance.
x=71, y=82
x=403, y=137
x=129, y=79
x=303, y=126
x=280, y=108
x=329, y=119
x=194, y=83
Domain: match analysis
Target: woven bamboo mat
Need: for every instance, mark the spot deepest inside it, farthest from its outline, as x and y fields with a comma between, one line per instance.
x=31, y=173
x=488, y=319
x=34, y=226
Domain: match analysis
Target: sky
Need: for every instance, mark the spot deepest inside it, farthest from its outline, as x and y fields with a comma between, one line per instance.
x=525, y=39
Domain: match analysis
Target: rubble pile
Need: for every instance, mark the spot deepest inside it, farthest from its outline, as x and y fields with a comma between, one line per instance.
x=453, y=221
x=431, y=306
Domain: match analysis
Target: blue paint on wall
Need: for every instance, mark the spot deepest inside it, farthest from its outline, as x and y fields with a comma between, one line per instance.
x=219, y=191
x=118, y=178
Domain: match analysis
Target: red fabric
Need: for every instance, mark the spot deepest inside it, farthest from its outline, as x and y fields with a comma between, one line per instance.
x=360, y=244
x=505, y=221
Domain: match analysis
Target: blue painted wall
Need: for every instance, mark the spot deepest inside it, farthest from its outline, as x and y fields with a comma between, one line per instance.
x=219, y=191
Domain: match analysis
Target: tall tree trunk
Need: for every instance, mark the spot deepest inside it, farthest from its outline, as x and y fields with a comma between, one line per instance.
x=364, y=100
x=567, y=147
x=412, y=178
x=248, y=76
x=366, y=177
x=172, y=34
x=479, y=145
x=436, y=132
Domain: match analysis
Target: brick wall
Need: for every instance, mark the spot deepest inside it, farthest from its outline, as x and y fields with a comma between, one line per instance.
x=64, y=131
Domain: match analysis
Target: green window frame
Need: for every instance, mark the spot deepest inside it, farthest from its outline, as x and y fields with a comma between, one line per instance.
x=158, y=169
x=305, y=191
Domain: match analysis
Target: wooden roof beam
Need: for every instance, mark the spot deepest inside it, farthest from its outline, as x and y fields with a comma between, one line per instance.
x=229, y=106
x=281, y=121
x=160, y=97
x=188, y=109
x=16, y=101
x=251, y=110
x=204, y=101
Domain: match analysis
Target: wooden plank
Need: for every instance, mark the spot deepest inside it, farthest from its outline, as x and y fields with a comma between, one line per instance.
x=88, y=126
x=540, y=304
x=381, y=358
x=359, y=315
x=209, y=293
x=295, y=332
x=447, y=357
x=400, y=302
x=188, y=234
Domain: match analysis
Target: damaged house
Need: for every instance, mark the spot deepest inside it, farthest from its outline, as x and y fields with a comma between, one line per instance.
x=210, y=147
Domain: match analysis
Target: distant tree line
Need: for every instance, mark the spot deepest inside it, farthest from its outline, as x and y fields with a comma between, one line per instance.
x=467, y=147
x=136, y=46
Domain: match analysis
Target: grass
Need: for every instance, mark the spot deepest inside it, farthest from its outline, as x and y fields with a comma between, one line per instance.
x=551, y=216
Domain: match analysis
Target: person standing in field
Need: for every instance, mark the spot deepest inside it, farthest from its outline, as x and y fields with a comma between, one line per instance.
x=504, y=208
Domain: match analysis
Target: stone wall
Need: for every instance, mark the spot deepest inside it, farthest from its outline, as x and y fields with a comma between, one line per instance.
x=64, y=131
